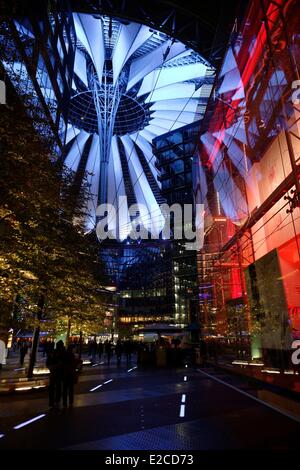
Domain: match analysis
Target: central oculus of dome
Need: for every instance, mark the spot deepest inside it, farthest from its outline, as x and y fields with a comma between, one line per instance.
x=132, y=115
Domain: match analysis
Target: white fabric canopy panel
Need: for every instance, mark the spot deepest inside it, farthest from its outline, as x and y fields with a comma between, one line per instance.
x=154, y=82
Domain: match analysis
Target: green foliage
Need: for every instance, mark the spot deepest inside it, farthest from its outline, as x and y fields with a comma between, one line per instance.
x=42, y=245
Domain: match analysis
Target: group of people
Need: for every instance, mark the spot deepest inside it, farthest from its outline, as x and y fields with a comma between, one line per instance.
x=126, y=347
x=63, y=366
x=107, y=349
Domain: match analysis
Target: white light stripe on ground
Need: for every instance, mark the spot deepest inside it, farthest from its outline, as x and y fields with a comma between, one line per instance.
x=95, y=388
x=107, y=382
x=1, y=435
x=129, y=370
x=94, y=365
x=182, y=411
x=101, y=363
x=21, y=425
x=266, y=371
x=20, y=368
x=261, y=402
x=134, y=368
x=183, y=398
x=185, y=378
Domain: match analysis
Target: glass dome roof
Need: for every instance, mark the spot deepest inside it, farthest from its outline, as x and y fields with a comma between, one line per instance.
x=130, y=85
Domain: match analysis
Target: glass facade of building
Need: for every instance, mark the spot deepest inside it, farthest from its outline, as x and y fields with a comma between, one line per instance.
x=141, y=273
x=248, y=179
x=175, y=157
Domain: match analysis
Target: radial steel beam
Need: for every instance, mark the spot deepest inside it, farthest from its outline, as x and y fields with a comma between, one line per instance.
x=107, y=96
x=193, y=24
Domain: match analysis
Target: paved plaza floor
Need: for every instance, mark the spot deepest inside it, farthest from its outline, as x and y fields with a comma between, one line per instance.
x=131, y=408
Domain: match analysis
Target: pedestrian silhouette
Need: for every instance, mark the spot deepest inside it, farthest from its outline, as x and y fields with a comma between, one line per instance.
x=119, y=349
x=54, y=363
x=100, y=350
x=23, y=352
x=69, y=376
x=108, y=351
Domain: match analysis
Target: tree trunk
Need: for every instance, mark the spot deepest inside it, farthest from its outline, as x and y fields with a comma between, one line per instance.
x=68, y=332
x=35, y=342
x=36, y=335
x=80, y=344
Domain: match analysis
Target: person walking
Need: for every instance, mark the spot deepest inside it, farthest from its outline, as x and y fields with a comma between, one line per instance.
x=69, y=376
x=100, y=350
x=128, y=351
x=119, y=350
x=93, y=350
x=55, y=363
x=108, y=351
x=23, y=352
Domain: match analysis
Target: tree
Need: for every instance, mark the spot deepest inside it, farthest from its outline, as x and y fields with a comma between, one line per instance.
x=44, y=256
